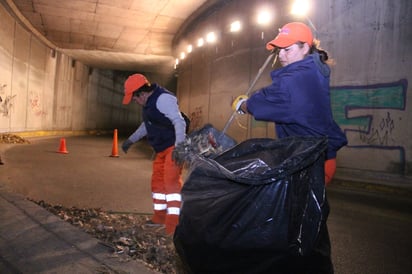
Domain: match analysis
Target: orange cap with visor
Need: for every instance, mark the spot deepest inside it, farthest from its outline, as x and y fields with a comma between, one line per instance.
x=132, y=84
x=290, y=34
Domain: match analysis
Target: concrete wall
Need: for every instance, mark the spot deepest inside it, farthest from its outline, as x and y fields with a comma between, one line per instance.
x=44, y=90
x=370, y=43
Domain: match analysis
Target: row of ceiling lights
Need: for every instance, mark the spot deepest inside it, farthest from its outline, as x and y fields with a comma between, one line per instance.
x=264, y=17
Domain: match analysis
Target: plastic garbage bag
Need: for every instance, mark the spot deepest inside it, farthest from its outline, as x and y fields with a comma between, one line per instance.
x=259, y=207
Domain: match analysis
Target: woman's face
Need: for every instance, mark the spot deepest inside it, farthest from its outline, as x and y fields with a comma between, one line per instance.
x=293, y=53
x=140, y=98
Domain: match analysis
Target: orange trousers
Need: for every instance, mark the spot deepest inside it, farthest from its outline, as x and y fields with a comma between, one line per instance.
x=166, y=186
x=330, y=169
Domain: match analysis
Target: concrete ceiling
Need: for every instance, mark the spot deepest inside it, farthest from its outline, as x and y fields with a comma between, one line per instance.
x=111, y=34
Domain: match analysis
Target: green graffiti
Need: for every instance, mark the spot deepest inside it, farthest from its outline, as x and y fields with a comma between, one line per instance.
x=385, y=96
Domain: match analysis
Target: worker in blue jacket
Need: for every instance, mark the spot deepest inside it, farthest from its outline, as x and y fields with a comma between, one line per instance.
x=298, y=100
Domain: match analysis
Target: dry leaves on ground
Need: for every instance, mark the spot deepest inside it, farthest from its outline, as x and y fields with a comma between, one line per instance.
x=12, y=139
x=126, y=234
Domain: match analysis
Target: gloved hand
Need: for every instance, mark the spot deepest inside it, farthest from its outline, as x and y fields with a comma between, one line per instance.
x=179, y=153
x=238, y=102
x=126, y=145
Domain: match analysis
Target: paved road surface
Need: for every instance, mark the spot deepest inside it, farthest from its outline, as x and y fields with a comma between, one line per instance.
x=370, y=233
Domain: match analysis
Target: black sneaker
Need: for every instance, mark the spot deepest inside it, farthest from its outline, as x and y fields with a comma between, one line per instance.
x=150, y=223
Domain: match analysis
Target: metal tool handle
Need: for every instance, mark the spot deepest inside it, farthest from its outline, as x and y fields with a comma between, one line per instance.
x=229, y=121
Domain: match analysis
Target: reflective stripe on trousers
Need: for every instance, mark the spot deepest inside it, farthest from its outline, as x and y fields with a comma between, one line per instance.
x=173, y=201
x=159, y=201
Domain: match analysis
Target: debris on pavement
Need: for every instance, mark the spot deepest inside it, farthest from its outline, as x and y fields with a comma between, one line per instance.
x=126, y=234
x=6, y=138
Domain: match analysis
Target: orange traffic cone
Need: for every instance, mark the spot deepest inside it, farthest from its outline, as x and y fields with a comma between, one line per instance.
x=62, y=148
x=115, y=152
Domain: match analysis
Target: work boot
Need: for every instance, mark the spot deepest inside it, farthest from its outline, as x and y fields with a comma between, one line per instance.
x=150, y=223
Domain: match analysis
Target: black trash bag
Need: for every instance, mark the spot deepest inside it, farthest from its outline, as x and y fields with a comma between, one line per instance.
x=259, y=207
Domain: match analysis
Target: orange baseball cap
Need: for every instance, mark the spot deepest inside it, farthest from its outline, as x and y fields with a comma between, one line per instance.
x=290, y=34
x=133, y=83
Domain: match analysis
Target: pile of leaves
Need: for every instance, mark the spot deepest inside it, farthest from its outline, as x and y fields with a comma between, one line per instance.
x=6, y=138
x=126, y=234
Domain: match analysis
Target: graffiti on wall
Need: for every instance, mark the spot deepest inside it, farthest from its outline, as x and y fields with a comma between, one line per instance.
x=373, y=113
x=196, y=120
x=35, y=104
x=6, y=102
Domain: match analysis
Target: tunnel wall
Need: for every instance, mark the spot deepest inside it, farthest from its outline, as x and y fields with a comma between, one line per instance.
x=44, y=90
x=369, y=42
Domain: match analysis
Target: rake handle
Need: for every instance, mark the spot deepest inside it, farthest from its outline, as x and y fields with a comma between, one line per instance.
x=267, y=61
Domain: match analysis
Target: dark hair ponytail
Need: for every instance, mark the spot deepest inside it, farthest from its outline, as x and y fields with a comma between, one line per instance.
x=323, y=54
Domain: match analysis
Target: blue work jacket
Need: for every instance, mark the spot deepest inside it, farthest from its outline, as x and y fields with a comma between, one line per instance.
x=298, y=102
